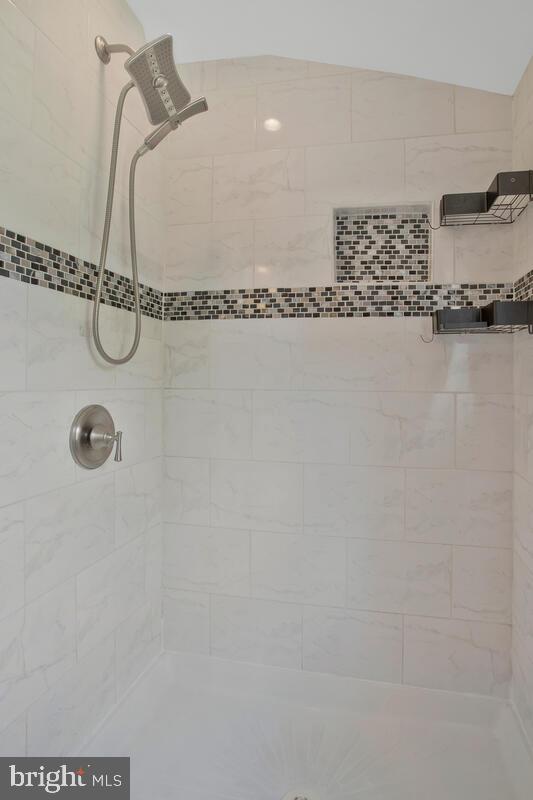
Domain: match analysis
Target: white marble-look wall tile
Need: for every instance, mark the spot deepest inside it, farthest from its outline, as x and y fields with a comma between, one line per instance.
x=523, y=363
x=481, y=111
x=108, y=591
x=55, y=107
x=366, y=502
x=17, y=41
x=186, y=621
x=457, y=655
x=484, y=432
x=258, y=631
x=459, y=507
x=353, y=175
x=139, y=495
x=299, y=569
x=293, y=252
x=13, y=332
x=522, y=686
x=208, y=423
x=60, y=354
x=228, y=127
x=402, y=429
x=254, y=70
x=67, y=530
x=358, y=643
x=30, y=461
x=216, y=255
x=38, y=646
x=137, y=646
x=456, y=363
x=190, y=190
x=257, y=495
x=186, y=491
x=251, y=354
x=311, y=111
x=18, y=688
x=523, y=603
x=464, y=162
x=13, y=738
x=187, y=355
x=207, y=559
x=60, y=721
x=301, y=426
x=400, y=577
x=482, y=584
x=523, y=521
x=12, y=591
x=48, y=639
x=388, y=106
x=353, y=354
x=40, y=188
x=484, y=258
x=257, y=185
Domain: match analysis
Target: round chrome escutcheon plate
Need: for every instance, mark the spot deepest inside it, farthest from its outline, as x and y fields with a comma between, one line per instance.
x=90, y=417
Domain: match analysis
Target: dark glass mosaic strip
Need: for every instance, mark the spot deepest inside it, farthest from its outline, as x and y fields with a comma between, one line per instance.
x=391, y=243
x=29, y=261
x=340, y=300
x=524, y=287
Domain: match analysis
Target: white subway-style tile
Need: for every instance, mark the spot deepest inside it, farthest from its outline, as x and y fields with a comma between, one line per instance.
x=294, y=104
x=400, y=577
x=299, y=569
x=254, y=495
x=67, y=530
x=360, y=502
x=457, y=655
x=257, y=631
x=357, y=643
x=12, y=591
x=186, y=491
x=484, y=433
x=482, y=584
x=208, y=423
x=202, y=559
x=186, y=621
x=463, y=507
x=258, y=185
x=389, y=106
x=13, y=334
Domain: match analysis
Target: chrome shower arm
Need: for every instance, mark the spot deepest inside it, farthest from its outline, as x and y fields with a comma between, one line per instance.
x=104, y=50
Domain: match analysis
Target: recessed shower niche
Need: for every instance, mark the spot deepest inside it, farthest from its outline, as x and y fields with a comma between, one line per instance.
x=390, y=243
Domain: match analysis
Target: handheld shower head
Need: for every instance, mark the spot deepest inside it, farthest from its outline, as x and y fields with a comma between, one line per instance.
x=157, y=136
x=154, y=72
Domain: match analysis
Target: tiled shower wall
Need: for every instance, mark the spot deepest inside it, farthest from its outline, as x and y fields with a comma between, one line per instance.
x=80, y=552
x=523, y=463
x=338, y=494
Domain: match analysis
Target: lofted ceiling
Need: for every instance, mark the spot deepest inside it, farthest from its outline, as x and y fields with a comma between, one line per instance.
x=481, y=43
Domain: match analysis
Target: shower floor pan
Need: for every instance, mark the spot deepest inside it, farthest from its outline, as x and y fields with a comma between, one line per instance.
x=202, y=729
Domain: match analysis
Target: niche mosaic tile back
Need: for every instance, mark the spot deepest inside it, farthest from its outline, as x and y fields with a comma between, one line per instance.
x=391, y=243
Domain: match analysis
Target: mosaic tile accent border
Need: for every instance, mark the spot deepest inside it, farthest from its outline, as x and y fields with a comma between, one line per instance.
x=391, y=243
x=353, y=300
x=32, y=262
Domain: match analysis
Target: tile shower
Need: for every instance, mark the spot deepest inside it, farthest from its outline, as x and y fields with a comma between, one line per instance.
x=306, y=484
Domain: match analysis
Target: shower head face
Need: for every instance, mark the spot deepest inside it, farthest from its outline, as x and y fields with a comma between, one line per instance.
x=154, y=72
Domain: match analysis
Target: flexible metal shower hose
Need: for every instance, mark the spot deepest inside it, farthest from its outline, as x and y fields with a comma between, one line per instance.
x=105, y=239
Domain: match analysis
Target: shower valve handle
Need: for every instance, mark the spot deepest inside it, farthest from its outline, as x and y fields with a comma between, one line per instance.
x=99, y=439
